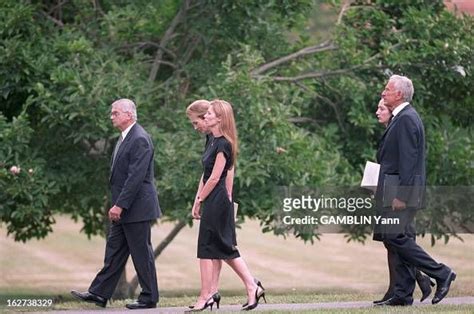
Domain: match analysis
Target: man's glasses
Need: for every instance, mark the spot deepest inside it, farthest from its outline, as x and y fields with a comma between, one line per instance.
x=116, y=113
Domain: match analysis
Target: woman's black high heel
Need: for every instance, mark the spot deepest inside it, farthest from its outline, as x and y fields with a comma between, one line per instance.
x=209, y=303
x=259, y=284
x=257, y=299
x=216, y=297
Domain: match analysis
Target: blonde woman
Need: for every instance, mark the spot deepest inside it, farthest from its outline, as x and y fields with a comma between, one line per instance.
x=213, y=206
x=196, y=112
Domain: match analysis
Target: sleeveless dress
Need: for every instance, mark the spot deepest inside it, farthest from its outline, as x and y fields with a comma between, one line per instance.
x=217, y=239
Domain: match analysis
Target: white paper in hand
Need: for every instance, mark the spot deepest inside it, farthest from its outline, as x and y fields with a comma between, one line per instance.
x=236, y=208
x=371, y=176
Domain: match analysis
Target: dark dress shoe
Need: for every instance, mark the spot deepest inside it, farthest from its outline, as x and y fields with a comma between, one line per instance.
x=89, y=297
x=140, y=305
x=442, y=288
x=425, y=284
x=385, y=298
x=394, y=301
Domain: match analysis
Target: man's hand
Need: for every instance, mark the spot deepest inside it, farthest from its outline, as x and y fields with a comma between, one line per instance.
x=114, y=213
x=196, y=211
x=398, y=205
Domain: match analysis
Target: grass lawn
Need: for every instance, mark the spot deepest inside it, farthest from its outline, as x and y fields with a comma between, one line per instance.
x=291, y=271
x=67, y=303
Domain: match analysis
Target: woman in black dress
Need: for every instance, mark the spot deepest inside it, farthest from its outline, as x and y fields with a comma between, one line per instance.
x=214, y=207
x=196, y=112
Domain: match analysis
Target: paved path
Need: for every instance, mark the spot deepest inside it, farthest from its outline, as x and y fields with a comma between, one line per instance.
x=273, y=307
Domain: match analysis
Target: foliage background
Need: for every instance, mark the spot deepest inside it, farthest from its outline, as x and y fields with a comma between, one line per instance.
x=304, y=98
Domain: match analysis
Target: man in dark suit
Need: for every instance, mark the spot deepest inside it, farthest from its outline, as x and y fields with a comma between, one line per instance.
x=135, y=207
x=399, y=195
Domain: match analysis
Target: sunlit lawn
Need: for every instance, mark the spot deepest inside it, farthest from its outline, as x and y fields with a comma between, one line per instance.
x=291, y=271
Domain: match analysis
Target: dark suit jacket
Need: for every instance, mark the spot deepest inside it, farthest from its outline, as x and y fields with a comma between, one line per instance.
x=402, y=152
x=131, y=178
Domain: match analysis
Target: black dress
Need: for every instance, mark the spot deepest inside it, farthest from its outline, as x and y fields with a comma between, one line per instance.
x=217, y=238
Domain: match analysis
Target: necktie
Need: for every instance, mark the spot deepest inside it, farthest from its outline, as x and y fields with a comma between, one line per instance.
x=117, y=146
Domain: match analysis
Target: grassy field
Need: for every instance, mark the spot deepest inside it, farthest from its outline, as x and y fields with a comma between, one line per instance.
x=330, y=270
x=183, y=302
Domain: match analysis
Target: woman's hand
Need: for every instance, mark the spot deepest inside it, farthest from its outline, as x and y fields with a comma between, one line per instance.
x=196, y=211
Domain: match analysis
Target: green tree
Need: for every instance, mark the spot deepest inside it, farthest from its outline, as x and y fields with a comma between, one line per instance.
x=344, y=75
x=304, y=108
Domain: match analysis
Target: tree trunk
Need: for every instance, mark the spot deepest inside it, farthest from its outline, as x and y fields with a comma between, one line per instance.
x=167, y=37
x=122, y=291
x=159, y=249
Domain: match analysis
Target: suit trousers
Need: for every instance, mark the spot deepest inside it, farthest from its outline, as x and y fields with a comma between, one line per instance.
x=123, y=240
x=404, y=255
x=400, y=272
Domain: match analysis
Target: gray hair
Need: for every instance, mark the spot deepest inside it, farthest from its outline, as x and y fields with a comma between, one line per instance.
x=127, y=106
x=404, y=85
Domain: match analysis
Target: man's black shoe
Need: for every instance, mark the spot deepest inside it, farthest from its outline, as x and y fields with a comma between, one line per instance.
x=385, y=298
x=140, y=305
x=393, y=301
x=442, y=288
x=425, y=284
x=89, y=297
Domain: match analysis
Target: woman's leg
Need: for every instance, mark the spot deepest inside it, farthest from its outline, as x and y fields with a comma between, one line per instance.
x=242, y=270
x=216, y=272
x=206, y=268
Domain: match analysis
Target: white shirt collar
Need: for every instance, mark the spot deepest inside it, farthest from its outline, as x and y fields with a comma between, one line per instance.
x=125, y=132
x=399, y=108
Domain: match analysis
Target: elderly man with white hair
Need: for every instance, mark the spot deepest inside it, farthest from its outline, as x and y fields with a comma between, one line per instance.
x=134, y=207
x=400, y=193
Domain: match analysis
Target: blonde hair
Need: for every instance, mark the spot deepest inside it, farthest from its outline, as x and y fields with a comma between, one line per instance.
x=197, y=109
x=227, y=127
